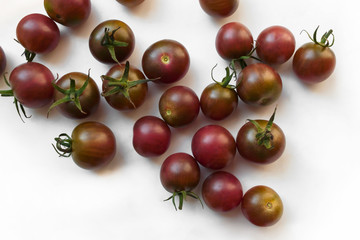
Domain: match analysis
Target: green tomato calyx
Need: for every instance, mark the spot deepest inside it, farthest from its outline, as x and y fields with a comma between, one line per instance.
x=63, y=145
x=182, y=196
x=324, y=42
x=110, y=43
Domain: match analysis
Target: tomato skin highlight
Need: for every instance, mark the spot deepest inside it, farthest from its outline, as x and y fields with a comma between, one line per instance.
x=151, y=136
x=70, y=13
x=38, y=33
x=219, y=8
x=233, y=40
x=93, y=145
x=262, y=206
x=213, y=147
x=313, y=63
x=31, y=84
x=249, y=148
x=166, y=60
x=222, y=191
x=275, y=45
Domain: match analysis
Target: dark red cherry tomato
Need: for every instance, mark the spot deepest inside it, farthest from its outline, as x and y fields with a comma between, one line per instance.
x=262, y=206
x=275, y=45
x=167, y=60
x=92, y=145
x=118, y=38
x=151, y=136
x=179, y=106
x=2, y=61
x=222, y=191
x=233, y=40
x=213, y=146
x=314, y=62
x=77, y=95
x=261, y=141
x=259, y=84
x=38, y=33
x=219, y=8
x=179, y=175
x=127, y=96
x=130, y=3
x=69, y=13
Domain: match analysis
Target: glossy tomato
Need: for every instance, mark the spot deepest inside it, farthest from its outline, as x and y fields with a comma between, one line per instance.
x=222, y=191
x=275, y=45
x=130, y=3
x=69, y=13
x=233, y=40
x=262, y=206
x=219, y=8
x=38, y=33
x=126, y=96
x=167, y=60
x=179, y=106
x=77, y=95
x=151, y=136
x=314, y=62
x=213, y=146
x=112, y=36
x=259, y=84
x=92, y=145
x=2, y=61
x=179, y=175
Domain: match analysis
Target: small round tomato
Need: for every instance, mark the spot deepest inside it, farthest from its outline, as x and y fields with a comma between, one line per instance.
x=127, y=96
x=151, y=136
x=275, y=45
x=92, y=145
x=112, y=36
x=314, y=62
x=179, y=106
x=167, y=60
x=213, y=146
x=179, y=175
x=69, y=13
x=261, y=141
x=77, y=95
x=259, y=84
x=222, y=191
x=233, y=40
x=130, y=3
x=38, y=33
x=219, y=8
x=2, y=61
x=31, y=84
x=262, y=206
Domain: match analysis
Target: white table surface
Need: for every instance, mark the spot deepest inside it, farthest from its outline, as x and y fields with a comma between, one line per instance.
x=45, y=197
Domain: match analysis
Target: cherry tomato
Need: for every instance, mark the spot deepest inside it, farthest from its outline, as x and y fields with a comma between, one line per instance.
x=275, y=45
x=219, y=8
x=92, y=145
x=31, y=84
x=2, y=61
x=112, y=35
x=179, y=106
x=167, y=60
x=314, y=62
x=213, y=146
x=151, y=136
x=136, y=94
x=222, y=191
x=77, y=95
x=259, y=84
x=38, y=33
x=233, y=41
x=179, y=175
x=130, y=3
x=69, y=13
x=261, y=141
x=262, y=206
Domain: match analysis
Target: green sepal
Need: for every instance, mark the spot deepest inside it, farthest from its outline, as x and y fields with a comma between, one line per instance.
x=182, y=196
x=110, y=43
x=63, y=145
x=324, y=42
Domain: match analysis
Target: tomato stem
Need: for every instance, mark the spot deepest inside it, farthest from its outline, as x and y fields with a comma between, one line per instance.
x=63, y=145
x=225, y=83
x=324, y=42
x=182, y=196
x=110, y=43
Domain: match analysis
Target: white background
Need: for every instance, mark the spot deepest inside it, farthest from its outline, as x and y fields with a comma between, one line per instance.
x=43, y=196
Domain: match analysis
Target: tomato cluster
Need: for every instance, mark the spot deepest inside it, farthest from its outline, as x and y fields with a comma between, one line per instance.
x=125, y=87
